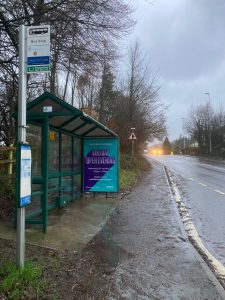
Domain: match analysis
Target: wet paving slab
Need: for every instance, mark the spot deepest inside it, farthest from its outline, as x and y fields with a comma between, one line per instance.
x=71, y=227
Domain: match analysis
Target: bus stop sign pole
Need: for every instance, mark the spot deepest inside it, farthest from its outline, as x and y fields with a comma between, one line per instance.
x=20, y=238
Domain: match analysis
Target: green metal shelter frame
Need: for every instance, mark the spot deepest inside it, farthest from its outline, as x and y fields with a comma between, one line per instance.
x=56, y=131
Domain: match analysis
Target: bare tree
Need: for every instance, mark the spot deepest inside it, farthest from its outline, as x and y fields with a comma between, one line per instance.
x=79, y=29
x=199, y=124
x=140, y=102
x=86, y=91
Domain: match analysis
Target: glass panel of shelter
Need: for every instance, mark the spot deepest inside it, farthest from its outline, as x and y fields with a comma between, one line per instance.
x=53, y=169
x=64, y=163
x=34, y=138
x=64, y=183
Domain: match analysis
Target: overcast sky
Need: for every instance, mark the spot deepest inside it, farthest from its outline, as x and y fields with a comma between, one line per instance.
x=185, y=40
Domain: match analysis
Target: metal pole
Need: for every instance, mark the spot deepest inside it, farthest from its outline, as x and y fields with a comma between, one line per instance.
x=183, y=134
x=210, y=132
x=210, y=129
x=132, y=147
x=20, y=237
x=210, y=141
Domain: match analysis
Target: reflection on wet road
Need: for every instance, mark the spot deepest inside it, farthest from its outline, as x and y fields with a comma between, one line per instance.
x=202, y=184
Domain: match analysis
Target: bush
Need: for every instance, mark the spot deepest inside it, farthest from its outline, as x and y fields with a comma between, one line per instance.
x=128, y=162
x=7, y=195
x=130, y=169
x=7, y=186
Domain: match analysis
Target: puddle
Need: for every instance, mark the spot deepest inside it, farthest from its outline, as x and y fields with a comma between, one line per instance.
x=108, y=249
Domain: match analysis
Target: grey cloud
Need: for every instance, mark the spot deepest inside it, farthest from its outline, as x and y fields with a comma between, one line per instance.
x=186, y=39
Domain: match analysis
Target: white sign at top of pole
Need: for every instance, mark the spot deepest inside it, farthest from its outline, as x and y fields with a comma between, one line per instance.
x=38, y=49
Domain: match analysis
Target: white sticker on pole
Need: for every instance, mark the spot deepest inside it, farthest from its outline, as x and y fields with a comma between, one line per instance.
x=25, y=175
x=38, y=49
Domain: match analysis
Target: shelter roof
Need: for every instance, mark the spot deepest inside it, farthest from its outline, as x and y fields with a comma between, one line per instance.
x=64, y=116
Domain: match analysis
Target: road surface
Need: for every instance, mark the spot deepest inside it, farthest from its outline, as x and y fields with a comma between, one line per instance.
x=202, y=185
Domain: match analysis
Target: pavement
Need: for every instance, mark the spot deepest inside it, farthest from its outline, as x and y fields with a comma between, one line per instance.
x=156, y=261
x=69, y=228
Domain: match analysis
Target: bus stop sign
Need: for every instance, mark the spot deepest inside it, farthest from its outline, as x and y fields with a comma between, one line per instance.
x=38, y=49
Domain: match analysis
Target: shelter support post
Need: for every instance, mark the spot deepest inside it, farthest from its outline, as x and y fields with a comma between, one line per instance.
x=60, y=166
x=45, y=155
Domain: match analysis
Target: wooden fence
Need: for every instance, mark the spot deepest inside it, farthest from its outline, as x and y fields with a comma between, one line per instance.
x=7, y=159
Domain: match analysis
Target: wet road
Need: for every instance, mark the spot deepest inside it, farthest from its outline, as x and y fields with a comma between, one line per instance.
x=202, y=184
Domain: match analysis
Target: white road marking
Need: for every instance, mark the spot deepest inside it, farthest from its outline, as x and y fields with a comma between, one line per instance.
x=219, y=192
x=210, y=166
x=192, y=232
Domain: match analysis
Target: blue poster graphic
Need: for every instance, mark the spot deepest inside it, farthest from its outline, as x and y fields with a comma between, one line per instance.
x=100, y=165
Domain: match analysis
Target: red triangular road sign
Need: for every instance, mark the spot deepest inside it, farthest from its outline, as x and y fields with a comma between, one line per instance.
x=132, y=136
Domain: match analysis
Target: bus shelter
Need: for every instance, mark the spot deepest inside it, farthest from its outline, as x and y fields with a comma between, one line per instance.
x=71, y=153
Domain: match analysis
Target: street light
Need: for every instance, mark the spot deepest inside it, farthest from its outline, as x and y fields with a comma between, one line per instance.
x=183, y=134
x=210, y=132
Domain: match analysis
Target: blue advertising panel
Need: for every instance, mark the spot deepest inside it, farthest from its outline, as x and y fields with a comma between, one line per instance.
x=25, y=176
x=100, y=165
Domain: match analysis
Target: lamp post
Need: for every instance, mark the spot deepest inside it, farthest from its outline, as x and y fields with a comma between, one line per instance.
x=183, y=134
x=210, y=131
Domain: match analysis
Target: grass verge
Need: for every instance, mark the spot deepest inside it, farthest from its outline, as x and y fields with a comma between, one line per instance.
x=130, y=170
x=16, y=283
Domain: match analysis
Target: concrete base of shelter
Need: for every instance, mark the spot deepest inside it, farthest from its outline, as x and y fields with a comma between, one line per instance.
x=71, y=227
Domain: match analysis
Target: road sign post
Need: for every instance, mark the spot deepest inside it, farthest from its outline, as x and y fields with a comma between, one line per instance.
x=132, y=150
x=132, y=137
